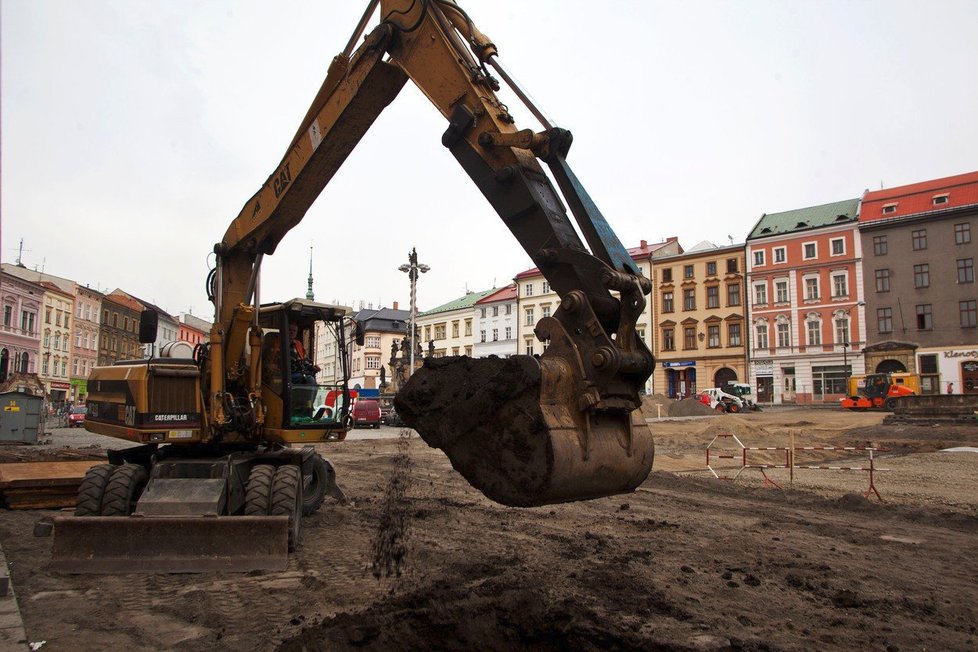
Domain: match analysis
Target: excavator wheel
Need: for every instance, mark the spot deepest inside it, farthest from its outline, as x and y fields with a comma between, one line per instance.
x=91, y=490
x=315, y=484
x=123, y=490
x=258, y=490
x=287, y=499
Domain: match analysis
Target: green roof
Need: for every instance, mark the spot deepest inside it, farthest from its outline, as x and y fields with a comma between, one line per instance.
x=467, y=301
x=804, y=219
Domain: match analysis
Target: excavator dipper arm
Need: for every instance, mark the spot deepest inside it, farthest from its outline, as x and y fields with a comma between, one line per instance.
x=525, y=431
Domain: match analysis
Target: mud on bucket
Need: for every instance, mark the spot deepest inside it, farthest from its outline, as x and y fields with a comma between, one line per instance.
x=518, y=448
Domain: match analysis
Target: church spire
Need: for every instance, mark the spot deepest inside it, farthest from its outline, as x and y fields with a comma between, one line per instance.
x=309, y=294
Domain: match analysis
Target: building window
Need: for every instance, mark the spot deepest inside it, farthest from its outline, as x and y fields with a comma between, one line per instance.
x=939, y=200
x=781, y=291
x=482, y=336
x=969, y=313
x=8, y=315
x=919, y=238
x=711, y=268
x=667, y=302
x=667, y=275
x=713, y=336
x=732, y=266
x=528, y=290
x=838, y=246
x=810, y=250
x=373, y=342
x=921, y=276
x=689, y=337
x=482, y=313
x=546, y=287
x=760, y=294
x=546, y=311
x=840, y=285
x=373, y=362
x=439, y=331
x=780, y=254
x=761, y=336
x=882, y=280
x=529, y=317
x=879, y=245
x=811, y=289
x=509, y=333
x=889, y=209
x=47, y=315
x=842, y=330
x=925, y=321
x=814, y=332
x=528, y=346
x=733, y=335
x=454, y=330
x=689, y=299
x=468, y=325
x=733, y=294
x=784, y=334
x=713, y=296
x=495, y=335
x=962, y=233
x=966, y=270
x=687, y=271
x=668, y=339
x=759, y=258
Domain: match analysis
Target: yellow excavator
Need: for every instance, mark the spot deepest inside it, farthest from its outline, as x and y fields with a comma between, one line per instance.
x=218, y=481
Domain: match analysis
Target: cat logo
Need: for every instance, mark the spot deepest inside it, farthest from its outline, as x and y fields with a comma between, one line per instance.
x=282, y=181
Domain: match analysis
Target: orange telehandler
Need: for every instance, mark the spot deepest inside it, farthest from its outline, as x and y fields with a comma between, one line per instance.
x=216, y=482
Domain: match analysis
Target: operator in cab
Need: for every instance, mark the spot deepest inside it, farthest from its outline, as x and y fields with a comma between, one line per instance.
x=303, y=370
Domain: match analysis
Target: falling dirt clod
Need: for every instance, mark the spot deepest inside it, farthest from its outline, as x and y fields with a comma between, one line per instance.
x=389, y=544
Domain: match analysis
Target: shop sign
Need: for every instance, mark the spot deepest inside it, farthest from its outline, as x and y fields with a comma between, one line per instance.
x=763, y=368
x=683, y=363
x=60, y=386
x=973, y=353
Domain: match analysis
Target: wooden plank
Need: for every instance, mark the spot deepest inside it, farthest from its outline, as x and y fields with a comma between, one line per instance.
x=35, y=474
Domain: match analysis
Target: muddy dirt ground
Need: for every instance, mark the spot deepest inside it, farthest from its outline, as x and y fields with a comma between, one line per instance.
x=687, y=562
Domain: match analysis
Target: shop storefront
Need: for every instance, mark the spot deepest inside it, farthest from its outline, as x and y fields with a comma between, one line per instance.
x=680, y=378
x=948, y=371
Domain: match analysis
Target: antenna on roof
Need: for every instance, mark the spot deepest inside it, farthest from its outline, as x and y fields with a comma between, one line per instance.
x=730, y=238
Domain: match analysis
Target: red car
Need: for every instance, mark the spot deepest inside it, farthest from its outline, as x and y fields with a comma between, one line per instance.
x=366, y=412
x=77, y=416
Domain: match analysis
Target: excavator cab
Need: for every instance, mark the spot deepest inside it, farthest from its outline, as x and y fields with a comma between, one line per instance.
x=299, y=396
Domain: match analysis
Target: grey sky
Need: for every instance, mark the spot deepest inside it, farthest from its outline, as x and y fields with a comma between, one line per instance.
x=134, y=131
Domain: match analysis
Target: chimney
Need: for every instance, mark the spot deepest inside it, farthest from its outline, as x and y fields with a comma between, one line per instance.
x=672, y=239
x=645, y=245
x=395, y=305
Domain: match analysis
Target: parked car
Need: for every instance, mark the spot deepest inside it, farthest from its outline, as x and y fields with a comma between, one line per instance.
x=77, y=416
x=366, y=412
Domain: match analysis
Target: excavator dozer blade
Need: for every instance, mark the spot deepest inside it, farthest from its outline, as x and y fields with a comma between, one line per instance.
x=514, y=430
x=169, y=544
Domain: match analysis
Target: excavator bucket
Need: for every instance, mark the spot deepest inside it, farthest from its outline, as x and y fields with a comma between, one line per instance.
x=516, y=431
x=169, y=544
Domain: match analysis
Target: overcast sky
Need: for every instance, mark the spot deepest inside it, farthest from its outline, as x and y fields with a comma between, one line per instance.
x=134, y=131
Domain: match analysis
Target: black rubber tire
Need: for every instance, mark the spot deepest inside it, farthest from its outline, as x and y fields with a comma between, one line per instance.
x=721, y=408
x=314, y=485
x=890, y=404
x=123, y=489
x=733, y=408
x=287, y=499
x=88, y=501
x=258, y=490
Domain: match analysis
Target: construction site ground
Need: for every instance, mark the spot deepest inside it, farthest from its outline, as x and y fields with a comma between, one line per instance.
x=419, y=560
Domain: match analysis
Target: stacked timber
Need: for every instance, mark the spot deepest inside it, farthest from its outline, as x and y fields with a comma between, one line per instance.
x=41, y=485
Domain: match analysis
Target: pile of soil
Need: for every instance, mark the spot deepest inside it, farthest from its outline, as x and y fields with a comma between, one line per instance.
x=690, y=407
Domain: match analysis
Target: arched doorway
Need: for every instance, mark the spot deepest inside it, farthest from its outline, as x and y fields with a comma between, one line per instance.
x=890, y=367
x=723, y=376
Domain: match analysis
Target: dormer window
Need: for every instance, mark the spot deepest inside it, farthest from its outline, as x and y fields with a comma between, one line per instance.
x=939, y=200
x=889, y=208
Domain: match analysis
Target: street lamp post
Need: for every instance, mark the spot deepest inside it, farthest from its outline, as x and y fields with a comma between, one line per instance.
x=845, y=342
x=412, y=269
